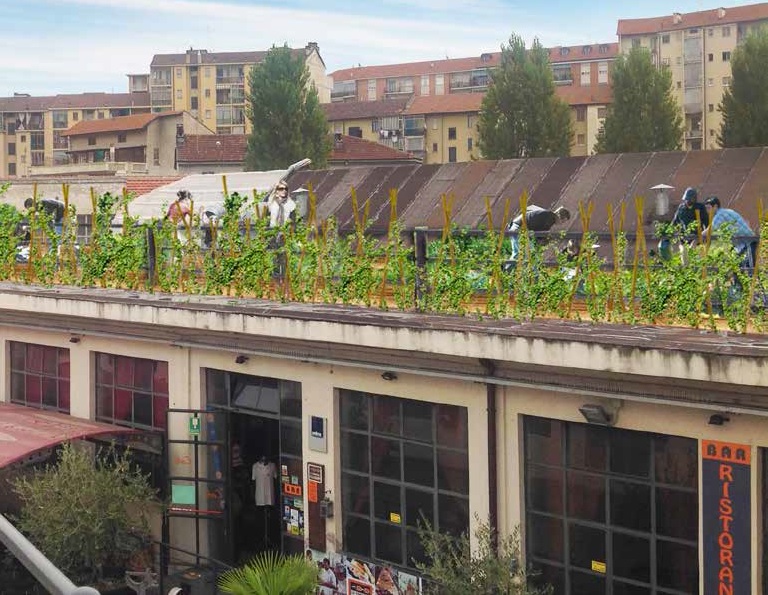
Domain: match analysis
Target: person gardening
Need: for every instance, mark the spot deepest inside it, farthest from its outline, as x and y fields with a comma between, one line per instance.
x=537, y=219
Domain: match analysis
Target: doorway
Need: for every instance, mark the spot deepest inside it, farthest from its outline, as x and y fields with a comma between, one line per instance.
x=255, y=459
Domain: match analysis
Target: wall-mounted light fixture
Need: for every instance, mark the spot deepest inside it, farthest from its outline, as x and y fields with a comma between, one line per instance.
x=597, y=414
x=718, y=419
x=241, y=359
x=74, y=339
x=389, y=376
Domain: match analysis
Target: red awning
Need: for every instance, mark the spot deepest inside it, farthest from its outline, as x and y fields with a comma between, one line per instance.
x=25, y=431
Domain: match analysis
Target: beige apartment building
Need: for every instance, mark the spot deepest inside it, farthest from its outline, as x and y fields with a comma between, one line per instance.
x=213, y=85
x=697, y=48
x=438, y=88
x=31, y=127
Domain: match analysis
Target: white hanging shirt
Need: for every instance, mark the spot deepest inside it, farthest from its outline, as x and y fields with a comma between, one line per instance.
x=263, y=475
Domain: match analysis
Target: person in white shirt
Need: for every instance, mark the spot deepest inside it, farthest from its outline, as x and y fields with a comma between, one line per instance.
x=327, y=579
x=263, y=474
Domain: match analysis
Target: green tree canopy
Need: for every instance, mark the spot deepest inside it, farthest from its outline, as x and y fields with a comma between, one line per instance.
x=644, y=115
x=283, y=107
x=745, y=102
x=520, y=115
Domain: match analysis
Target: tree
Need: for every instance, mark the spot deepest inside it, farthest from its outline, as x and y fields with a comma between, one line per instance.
x=521, y=116
x=86, y=512
x=452, y=568
x=644, y=115
x=283, y=107
x=271, y=574
x=745, y=102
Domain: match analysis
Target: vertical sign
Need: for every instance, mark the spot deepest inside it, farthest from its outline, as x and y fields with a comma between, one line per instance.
x=726, y=513
x=315, y=494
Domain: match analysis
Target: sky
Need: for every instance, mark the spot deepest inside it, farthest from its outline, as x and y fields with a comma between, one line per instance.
x=73, y=46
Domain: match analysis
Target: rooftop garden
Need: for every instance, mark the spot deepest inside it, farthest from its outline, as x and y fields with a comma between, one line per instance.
x=613, y=276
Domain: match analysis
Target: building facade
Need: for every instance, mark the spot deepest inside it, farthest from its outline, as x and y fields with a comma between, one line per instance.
x=697, y=48
x=581, y=74
x=613, y=459
x=32, y=127
x=213, y=85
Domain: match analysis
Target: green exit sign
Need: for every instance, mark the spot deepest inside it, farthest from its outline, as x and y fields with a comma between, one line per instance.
x=194, y=425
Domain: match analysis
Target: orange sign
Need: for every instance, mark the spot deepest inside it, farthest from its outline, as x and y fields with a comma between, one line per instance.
x=312, y=491
x=726, y=452
x=291, y=490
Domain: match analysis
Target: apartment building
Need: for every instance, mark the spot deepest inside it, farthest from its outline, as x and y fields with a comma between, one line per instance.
x=213, y=85
x=697, y=48
x=31, y=127
x=581, y=73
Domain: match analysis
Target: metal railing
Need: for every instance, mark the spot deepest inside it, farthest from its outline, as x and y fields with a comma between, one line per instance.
x=47, y=574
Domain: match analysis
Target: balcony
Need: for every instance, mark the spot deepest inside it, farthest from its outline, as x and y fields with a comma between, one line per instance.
x=414, y=127
x=693, y=133
x=230, y=80
x=107, y=168
x=344, y=91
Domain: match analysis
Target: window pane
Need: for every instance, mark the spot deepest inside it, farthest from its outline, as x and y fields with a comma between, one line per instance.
x=18, y=387
x=34, y=358
x=415, y=552
x=419, y=506
x=631, y=505
x=104, y=369
x=453, y=514
x=124, y=367
x=142, y=409
x=354, y=451
x=545, y=489
x=453, y=471
x=34, y=390
x=290, y=399
x=452, y=426
x=159, y=411
x=587, y=584
x=357, y=535
x=49, y=361
x=355, y=494
x=160, y=378
x=386, y=501
x=677, y=461
x=586, y=496
x=290, y=437
x=632, y=557
x=545, y=537
x=386, y=414
x=18, y=351
x=625, y=589
x=417, y=420
x=630, y=453
x=354, y=410
x=64, y=395
x=677, y=566
x=385, y=458
x=544, y=440
x=104, y=402
x=677, y=514
x=123, y=405
x=586, y=544
x=389, y=544
x=587, y=447
x=419, y=464
x=63, y=363
x=50, y=392
x=551, y=576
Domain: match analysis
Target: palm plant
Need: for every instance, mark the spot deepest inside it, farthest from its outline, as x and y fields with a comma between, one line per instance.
x=271, y=574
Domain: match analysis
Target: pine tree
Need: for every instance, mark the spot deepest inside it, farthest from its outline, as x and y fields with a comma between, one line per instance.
x=644, y=115
x=287, y=121
x=745, y=102
x=521, y=116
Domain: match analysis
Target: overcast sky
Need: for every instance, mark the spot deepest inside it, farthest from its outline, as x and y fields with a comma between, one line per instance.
x=71, y=46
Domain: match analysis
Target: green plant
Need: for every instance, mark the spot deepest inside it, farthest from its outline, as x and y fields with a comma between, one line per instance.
x=493, y=565
x=271, y=574
x=10, y=218
x=86, y=511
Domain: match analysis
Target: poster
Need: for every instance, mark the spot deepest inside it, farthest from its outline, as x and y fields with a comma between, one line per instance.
x=358, y=577
x=726, y=513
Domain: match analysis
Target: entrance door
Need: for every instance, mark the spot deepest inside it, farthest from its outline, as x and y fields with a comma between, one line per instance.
x=198, y=486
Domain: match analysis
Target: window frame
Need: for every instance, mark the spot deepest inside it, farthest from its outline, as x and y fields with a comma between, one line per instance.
x=61, y=382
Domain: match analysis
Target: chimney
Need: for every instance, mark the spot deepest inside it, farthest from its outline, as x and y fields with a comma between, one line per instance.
x=338, y=143
x=312, y=45
x=720, y=12
x=677, y=18
x=485, y=58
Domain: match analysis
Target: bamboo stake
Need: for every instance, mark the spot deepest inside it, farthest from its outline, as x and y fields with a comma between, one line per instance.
x=636, y=258
x=391, y=245
x=521, y=258
x=756, y=264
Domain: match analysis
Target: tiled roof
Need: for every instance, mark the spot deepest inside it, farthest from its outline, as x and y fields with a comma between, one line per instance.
x=703, y=18
x=453, y=103
x=120, y=124
x=206, y=57
x=487, y=60
x=351, y=148
x=355, y=110
x=213, y=148
x=578, y=95
x=140, y=185
x=73, y=101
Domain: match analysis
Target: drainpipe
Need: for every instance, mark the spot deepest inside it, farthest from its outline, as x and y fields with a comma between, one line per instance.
x=493, y=480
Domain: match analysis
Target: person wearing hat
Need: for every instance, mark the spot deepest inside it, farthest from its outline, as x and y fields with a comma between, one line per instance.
x=686, y=212
x=536, y=219
x=744, y=239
